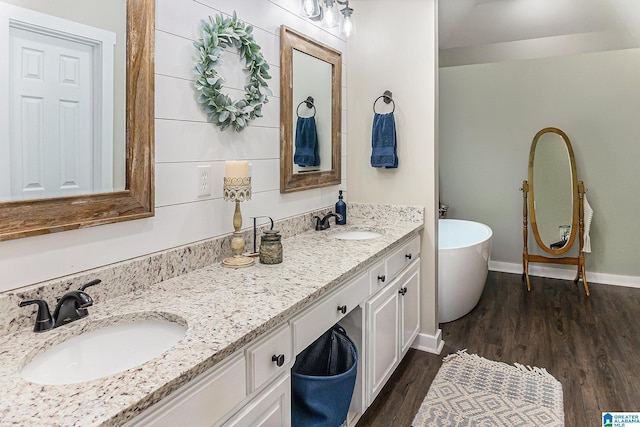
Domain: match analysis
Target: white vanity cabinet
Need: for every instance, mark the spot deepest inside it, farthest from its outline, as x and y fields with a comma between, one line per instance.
x=393, y=322
x=392, y=315
x=380, y=310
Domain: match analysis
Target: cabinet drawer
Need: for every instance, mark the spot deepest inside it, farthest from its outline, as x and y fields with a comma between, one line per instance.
x=268, y=358
x=377, y=277
x=314, y=322
x=202, y=401
x=402, y=257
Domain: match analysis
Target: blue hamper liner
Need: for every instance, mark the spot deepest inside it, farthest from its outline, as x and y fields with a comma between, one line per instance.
x=323, y=379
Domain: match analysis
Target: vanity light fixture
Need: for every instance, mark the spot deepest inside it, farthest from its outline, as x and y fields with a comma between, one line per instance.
x=237, y=188
x=326, y=11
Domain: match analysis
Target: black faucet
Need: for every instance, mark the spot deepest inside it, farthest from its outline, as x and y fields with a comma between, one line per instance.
x=323, y=223
x=71, y=306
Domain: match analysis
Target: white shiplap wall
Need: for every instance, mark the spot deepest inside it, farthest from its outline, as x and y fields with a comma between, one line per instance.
x=183, y=141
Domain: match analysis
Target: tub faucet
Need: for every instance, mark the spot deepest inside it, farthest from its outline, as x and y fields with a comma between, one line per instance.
x=323, y=223
x=442, y=210
x=71, y=306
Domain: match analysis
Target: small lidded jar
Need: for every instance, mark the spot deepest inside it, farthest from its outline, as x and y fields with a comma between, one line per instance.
x=270, y=247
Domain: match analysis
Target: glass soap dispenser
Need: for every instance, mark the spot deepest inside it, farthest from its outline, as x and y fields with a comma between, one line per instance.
x=341, y=209
x=270, y=247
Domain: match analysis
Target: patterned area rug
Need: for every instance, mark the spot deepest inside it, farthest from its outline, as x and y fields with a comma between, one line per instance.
x=472, y=391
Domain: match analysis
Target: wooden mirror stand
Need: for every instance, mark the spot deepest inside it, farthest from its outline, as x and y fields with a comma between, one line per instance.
x=579, y=260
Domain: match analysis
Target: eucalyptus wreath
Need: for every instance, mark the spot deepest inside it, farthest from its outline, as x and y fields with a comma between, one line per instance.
x=218, y=34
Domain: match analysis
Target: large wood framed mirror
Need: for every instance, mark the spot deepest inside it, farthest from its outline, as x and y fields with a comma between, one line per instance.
x=310, y=86
x=553, y=199
x=23, y=216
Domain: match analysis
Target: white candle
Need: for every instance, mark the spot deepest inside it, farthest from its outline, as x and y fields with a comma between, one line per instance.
x=236, y=168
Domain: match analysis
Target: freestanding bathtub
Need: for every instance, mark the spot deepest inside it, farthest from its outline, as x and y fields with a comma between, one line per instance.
x=463, y=262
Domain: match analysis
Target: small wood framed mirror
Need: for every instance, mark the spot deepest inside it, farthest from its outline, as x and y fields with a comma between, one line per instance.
x=310, y=107
x=553, y=198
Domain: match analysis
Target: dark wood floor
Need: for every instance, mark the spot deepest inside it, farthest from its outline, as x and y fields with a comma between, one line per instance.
x=590, y=344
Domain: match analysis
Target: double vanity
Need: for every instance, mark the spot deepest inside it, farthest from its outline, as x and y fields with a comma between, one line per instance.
x=232, y=335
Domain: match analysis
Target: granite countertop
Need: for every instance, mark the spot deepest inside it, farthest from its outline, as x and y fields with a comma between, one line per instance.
x=219, y=307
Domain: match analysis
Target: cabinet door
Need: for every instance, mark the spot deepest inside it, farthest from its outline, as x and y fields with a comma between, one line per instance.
x=409, y=291
x=271, y=408
x=382, y=340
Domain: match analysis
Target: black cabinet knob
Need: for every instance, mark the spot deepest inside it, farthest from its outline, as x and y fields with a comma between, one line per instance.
x=403, y=291
x=382, y=278
x=342, y=309
x=279, y=359
x=408, y=256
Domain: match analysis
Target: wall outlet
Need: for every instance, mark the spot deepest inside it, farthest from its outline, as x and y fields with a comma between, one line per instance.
x=204, y=180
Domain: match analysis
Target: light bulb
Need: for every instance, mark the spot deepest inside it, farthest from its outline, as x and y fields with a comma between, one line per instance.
x=330, y=14
x=347, y=22
x=310, y=8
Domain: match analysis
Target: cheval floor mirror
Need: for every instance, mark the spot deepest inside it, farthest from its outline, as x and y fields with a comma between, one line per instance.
x=554, y=200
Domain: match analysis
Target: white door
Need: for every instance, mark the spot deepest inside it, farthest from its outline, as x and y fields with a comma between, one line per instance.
x=50, y=115
x=56, y=106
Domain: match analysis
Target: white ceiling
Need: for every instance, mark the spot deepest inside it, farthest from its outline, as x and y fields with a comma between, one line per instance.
x=479, y=31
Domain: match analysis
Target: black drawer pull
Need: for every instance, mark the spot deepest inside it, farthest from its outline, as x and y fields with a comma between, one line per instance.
x=279, y=359
x=342, y=309
x=403, y=291
x=382, y=278
x=408, y=256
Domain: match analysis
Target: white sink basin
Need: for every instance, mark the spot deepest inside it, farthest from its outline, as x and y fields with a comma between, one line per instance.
x=103, y=352
x=356, y=235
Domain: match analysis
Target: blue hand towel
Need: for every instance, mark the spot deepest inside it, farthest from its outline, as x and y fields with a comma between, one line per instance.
x=306, y=153
x=383, y=141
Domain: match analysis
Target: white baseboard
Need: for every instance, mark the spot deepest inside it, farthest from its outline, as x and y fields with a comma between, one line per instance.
x=566, y=274
x=429, y=343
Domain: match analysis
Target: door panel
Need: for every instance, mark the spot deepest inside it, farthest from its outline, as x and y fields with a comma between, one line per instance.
x=51, y=99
